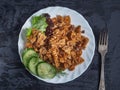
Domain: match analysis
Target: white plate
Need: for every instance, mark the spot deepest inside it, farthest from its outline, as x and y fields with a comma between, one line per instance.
x=76, y=19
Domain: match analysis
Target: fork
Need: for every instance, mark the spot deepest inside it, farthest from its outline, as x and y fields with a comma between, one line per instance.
x=102, y=48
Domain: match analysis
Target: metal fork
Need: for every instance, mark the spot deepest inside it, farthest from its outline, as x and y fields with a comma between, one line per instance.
x=102, y=48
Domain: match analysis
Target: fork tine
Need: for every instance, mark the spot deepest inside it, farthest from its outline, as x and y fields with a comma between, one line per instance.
x=106, y=38
x=100, y=38
x=103, y=38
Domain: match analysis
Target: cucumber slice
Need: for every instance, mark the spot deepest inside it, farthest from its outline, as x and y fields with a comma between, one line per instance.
x=24, y=52
x=32, y=64
x=45, y=70
x=28, y=55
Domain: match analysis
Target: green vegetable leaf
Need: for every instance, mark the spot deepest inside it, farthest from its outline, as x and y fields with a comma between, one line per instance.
x=39, y=22
x=28, y=32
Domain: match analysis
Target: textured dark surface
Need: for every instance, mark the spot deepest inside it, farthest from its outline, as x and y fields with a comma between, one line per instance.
x=13, y=14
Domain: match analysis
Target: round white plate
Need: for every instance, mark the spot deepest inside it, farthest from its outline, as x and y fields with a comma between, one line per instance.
x=76, y=19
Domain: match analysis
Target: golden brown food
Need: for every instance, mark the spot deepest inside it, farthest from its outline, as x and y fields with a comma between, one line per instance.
x=63, y=47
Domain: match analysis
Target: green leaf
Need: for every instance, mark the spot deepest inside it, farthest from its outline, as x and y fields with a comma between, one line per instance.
x=39, y=22
x=35, y=20
x=28, y=31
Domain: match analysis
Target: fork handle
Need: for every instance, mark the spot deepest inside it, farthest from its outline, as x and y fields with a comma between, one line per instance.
x=102, y=78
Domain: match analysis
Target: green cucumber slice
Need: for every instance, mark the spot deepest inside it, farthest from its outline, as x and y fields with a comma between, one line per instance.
x=32, y=64
x=28, y=55
x=45, y=70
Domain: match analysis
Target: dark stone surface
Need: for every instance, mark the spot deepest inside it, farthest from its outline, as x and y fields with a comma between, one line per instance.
x=101, y=14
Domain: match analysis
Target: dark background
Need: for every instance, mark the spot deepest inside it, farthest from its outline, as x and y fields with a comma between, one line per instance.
x=101, y=15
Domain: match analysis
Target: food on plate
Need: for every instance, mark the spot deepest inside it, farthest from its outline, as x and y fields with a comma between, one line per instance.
x=36, y=65
x=53, y=44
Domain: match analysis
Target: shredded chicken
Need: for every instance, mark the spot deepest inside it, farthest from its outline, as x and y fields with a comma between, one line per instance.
x=63, y=48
